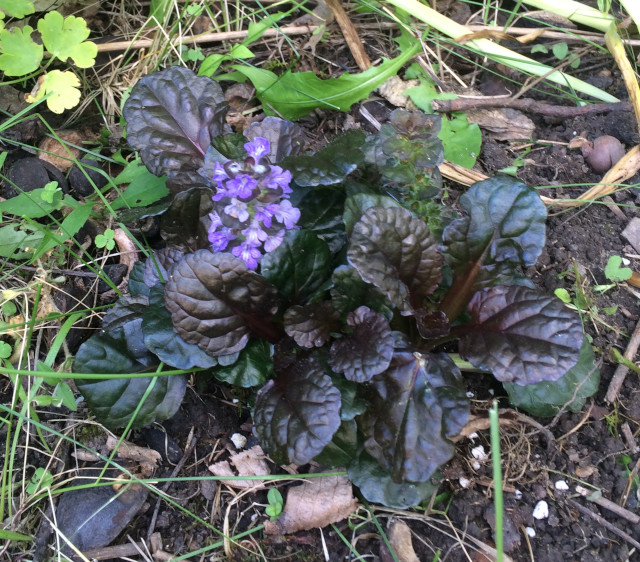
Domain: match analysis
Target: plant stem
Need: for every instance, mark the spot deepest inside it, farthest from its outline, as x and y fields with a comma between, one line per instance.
x=576, y=11
x=497, y=480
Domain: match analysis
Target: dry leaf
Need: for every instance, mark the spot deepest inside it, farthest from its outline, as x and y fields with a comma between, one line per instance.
x=484, y=34
x=393, y=91
x=503, y=123
x=248, y=463
x=316, y=503
x=148, y=459
x=61, y=155
x=399, y=536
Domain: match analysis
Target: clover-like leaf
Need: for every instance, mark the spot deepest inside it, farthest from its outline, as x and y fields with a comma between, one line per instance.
x=162, y=339
x=349, y=291
x=299, y=266
x=19, y=54
x=285, y=138
x=420, y=402
x=332, y=164
x=376, y=484
x=121, y=350
x=297, y=413
x=521, y=335
x=172, y=115
x=217, y=303
x=253, y=366
x=367, y=350
x=570, y=391
x=66, y=38
x=311, y=325
x=505, y=223
x=396, y=253
x=62, y=87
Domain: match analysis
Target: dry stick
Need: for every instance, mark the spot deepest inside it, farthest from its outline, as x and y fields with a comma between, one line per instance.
x=608, y=504
x=604, y=523
x=527, y=104
x=621, y=371
x=350, y=34
x=115, y=551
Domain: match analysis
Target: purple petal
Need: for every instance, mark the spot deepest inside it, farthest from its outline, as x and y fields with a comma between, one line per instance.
x=272, y=242
x=237, y=210
x=241, y=186
x=247, y=253
x=257, y=148
x=278, y=178
x=287, y=214
x=220, y=240
x=254, y=234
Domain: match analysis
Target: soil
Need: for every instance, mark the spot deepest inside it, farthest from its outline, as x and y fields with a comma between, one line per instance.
x=583, y=448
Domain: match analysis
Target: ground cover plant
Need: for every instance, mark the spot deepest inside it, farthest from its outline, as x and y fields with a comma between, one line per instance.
x=329, y=282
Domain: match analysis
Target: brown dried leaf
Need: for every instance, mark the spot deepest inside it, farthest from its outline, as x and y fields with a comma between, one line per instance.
x=248, y=463
x=399, y=536
x=503, y=123
x=316, y=503
x=148, y=459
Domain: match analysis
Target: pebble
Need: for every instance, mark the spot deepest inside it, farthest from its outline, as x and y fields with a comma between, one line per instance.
x=531, y=532
x=631, y=233
x=238, y=440
x=541, y=510
x=562, y=485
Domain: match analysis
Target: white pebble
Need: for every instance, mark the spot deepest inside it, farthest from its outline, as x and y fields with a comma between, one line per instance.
x=238, y=440
x=464, y=482
x=562, y=485
x=470, y=394
x=541, y=510
x=531, y=532
x=518, y=494
x=479, y=453
x=473, y=436
x=475, y=465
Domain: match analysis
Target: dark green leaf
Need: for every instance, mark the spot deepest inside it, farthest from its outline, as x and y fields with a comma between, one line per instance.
x=328, y=166
x=321, y=213
x=158, y=264
x=137, y=286
x=297, y=414
x=299, y=266
x=396, y=253
x=161, y=338
x=342, y=449
x=216, y=302
x=126, y=310
x=521, y=335
x=252, y=368
x=352, y=403
x=231, y=145
x=367, y=350
x=570, y=391
x=377, y=486
x=186, y=221
x=356, y=205
x=172, y=115
x=311, y=325
x=285, y=138
x=349, y=291
x=144, y=187
x=420, y=402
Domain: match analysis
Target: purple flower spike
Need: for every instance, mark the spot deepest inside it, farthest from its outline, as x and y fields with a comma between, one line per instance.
x=241, y=187
x=287, y=214
x=272, y=242
x=254, y=234
x=257, y=148
x=248, y=254
x=220, y=240
x=237, y=210
x=278, y=178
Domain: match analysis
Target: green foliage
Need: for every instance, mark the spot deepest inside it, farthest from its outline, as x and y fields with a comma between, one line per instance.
x=16, y=8
x=615, y=272
x=106, y=240
x=41, y=480
x=276, y=503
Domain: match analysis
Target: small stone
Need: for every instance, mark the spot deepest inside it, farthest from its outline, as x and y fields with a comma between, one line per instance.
x=464, y=482
x=518, y=494
x=479, y=453
x=562, y=485
x=541, y=510
x=238, y=440
x=531, y=532
x=631, y=233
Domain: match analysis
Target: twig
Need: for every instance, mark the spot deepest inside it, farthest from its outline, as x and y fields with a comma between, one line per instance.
x=350, y=34
x=55, y=271
x=527, y=104
x=118, y=551
x=621, y=371
x=608, y=504
x=602, y=521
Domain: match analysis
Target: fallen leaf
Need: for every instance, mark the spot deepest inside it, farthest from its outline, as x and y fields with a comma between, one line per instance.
x=148, y=459
x=248, y=463
x=399, y=536
x=316, y=503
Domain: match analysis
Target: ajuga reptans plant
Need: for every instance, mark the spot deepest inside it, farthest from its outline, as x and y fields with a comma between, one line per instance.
x=330, y=283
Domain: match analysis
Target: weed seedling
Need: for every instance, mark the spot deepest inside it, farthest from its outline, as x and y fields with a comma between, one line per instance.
x=106, y=240
x=276, y=503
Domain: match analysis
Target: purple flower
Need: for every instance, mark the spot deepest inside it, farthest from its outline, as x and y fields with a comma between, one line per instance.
x=248, y=254
x=278, y=178
x=237, y=210
x=220, y=240
x=254, y=234
x=241, y=186
x=272, y=242
x=257, y=148
x=264, y=213
x=219, y=173
x=287, y=214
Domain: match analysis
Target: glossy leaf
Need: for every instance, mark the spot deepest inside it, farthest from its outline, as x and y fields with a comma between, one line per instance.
x=321, y=213
x=348, y=291
x=285, y=138
x=342, y=448
x=570, y=391
x=396, y=253
x=161, y=338
x=367, y=350
x=420, y=401
x=521, y=335
x=252, y=368
x=311, y=325
x=356, y=205
x=299, y=266
x=216, y=302
x=158, y=264
x=328, y=166
x=297, y=413
x=186, y=221
x=137, y=287
x=295, y=94
x=377, y=486
x=353, y=404
x=172, y=115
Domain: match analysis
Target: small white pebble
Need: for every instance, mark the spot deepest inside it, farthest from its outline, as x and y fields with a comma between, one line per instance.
x=464, y=482
x=475, y=465
x=518, y=494
x=235, y=400
x=541, y=510
x=626, y=261
x=530, y=531
x=562, y=485
x=473, y=436
x=238, y=440
x=491, y=391
x=479, y=453
x=470, y=394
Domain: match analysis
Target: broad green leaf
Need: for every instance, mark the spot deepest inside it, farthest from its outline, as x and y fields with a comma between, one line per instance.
x=144, y=187
x=69, y=227
x=19, y=241
x=294, y=94
x=614, y=270
x=16, y=8
x=342, y=448
x=461, y=140
x=349, y=291
x=321, y=213
x=65, y=38
x=252, y=368
x=570, y=391
x=31, y=204
x=19, y=54
x=62, y=87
